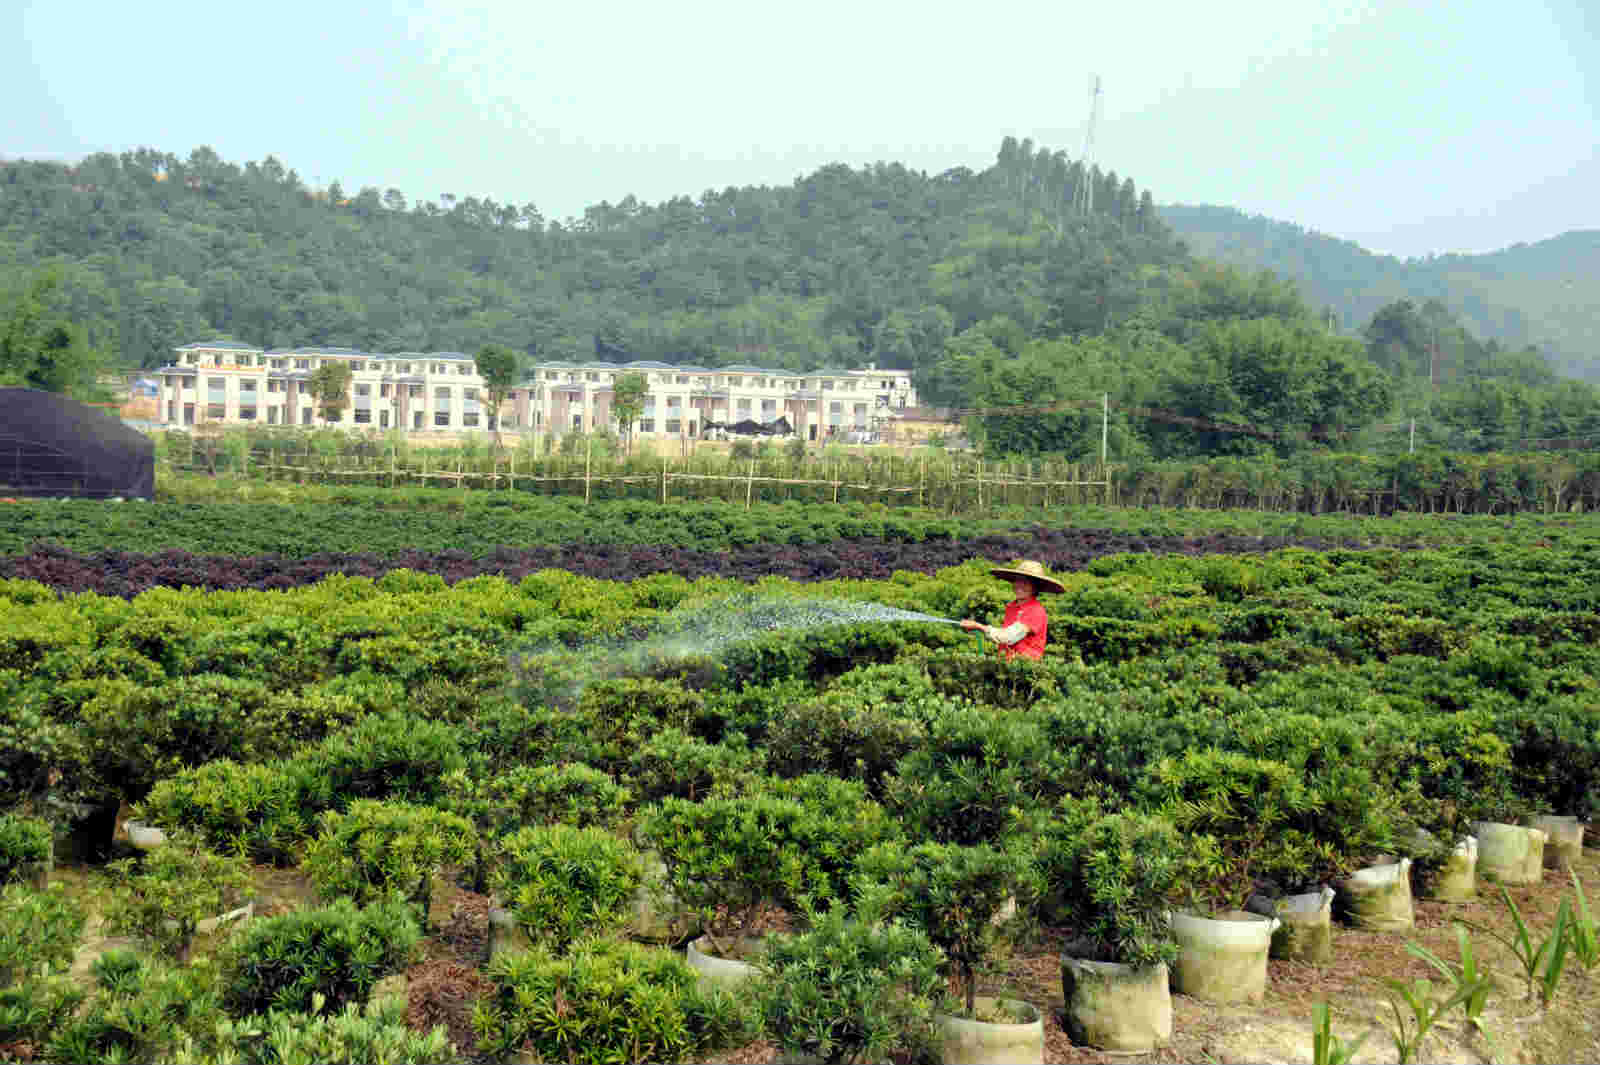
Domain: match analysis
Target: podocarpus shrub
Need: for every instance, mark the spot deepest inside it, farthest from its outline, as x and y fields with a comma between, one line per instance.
x=954, y=893
x=784, y=843
x=674, y=764
x=979, y=776
x=845, y=733
x=380, y=849
x=569, y=794
x=163, y=896
x=618, y=1002
x=1258, y=813
x=37, y=929
x=257, y=809
x=1109, y=876
x=846, y=990
x=337, y=952
x=376, y=1032
x=383, y=756
x=25, y=846
x=563, y=882
x=141, y=1012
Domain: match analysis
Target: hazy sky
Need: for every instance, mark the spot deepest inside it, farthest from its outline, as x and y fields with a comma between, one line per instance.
x=1408, y=127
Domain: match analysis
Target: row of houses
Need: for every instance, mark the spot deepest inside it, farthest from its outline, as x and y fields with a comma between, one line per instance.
x=229, y=383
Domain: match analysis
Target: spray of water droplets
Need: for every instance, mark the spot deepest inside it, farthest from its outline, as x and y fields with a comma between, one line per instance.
x=702, y=629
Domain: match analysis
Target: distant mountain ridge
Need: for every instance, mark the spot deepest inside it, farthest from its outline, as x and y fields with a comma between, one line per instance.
x=1545, y=294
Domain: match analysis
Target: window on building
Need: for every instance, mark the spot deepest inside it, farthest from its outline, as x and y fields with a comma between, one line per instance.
x=383, y=390
x=647, y=425
x=215, y=412
x=415, y=391
x=441, y=396
x=577, y=423
x=279, y=364
x=302, y=364
x=188, y=384
x=356, y=364
x=470, y=419
x=274, y=387
x=172, y=410
x=247, y=414
x=683, y=379
x=828, y=384
x=272, y=415
x=743, y=407
x=402, y=367
x=663, y=379
x=247, y=391
x=363, y=415
x=216, y=384
x=364, y=391
x=735, y=381
x=441, y=419
x=305, y=416
x=172, y=383
x=469, y=394
x=758, y=382
x=674, y=425
x=592, y=376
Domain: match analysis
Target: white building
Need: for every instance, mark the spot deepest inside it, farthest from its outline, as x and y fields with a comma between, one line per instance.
x=225, y=382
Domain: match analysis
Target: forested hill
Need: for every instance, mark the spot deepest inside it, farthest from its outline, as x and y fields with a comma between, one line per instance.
x=1546, y=294
x=842, y=266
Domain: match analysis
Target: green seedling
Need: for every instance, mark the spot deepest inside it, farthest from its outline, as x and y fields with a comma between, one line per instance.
x=1421, y=1011
x=1581, y=928
x=1542, y=964
x=1468, y=974
x=1327, y=1048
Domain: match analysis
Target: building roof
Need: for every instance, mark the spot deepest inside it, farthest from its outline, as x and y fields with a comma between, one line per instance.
x=217, y=345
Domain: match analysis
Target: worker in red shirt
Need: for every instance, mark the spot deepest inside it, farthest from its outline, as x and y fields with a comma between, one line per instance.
x=1026, y=627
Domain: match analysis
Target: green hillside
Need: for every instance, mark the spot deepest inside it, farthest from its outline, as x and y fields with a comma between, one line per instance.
x=842, y=266
x=1546, y=294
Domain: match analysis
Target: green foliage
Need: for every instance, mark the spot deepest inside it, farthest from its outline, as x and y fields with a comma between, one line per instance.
x=25, y=845
x=619, y=1002
x=335, y=953
x=1416, y=1009
x=674, y=764
x=955, y=894
x=330, y=387
x=787, y=844
x=1544, y=960
x=568, y=794
x=253, y=809
x=33, y=1010
x=848, y=991
x=377, y=850
x=1468, y=976
x=357, y=1035
x=563, y=883
x=37, y=928
x=163, y=895
x=383, y=756
x=141, y=1012
x=1111, y=877
x=1327, y=1048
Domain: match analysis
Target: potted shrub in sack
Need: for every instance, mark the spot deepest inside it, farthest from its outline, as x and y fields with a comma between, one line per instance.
x=732, y=859
x=381, y=849
x=955, y=894
x=847, y=990
x=1246, y=819
x=1110, y=878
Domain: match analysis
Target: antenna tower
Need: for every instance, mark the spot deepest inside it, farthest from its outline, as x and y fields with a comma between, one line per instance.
x=1085, y=192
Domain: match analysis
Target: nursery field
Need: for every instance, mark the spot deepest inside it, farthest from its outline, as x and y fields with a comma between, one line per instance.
x=503, y=788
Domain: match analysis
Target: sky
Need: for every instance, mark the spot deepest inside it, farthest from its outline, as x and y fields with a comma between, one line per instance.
x=1410, y=128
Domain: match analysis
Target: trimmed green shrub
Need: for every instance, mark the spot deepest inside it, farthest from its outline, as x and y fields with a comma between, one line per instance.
x=380, y=849
x=162, y=896
x=141, y=1012
x=25, y=846
x=335, y=952
x=563, y=882
x=376, y=1032
x=384, y=756
x=980, y=775
x=619, y=1002
x=1110, y=877
x=955, y=894
x=789, y=843
x=37, y=928
x=846, y=990
x=674, y=764
x=32, y=1011
x=845, y=733
x=255, y=809
x=569, y=794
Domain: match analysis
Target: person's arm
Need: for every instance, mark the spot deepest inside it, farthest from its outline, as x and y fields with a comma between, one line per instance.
x=1005, y=636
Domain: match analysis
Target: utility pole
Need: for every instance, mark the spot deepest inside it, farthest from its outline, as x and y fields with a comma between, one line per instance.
x=1105, y=426
x=1085, y=192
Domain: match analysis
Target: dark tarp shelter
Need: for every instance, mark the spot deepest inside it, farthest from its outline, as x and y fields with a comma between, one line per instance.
x=54, y=446
x=750, y=427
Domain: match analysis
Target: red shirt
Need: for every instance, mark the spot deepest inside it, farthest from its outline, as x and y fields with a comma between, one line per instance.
x=1032, y=615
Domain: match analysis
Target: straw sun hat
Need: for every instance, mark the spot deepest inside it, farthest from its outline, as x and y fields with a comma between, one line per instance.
x=1034, y=572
